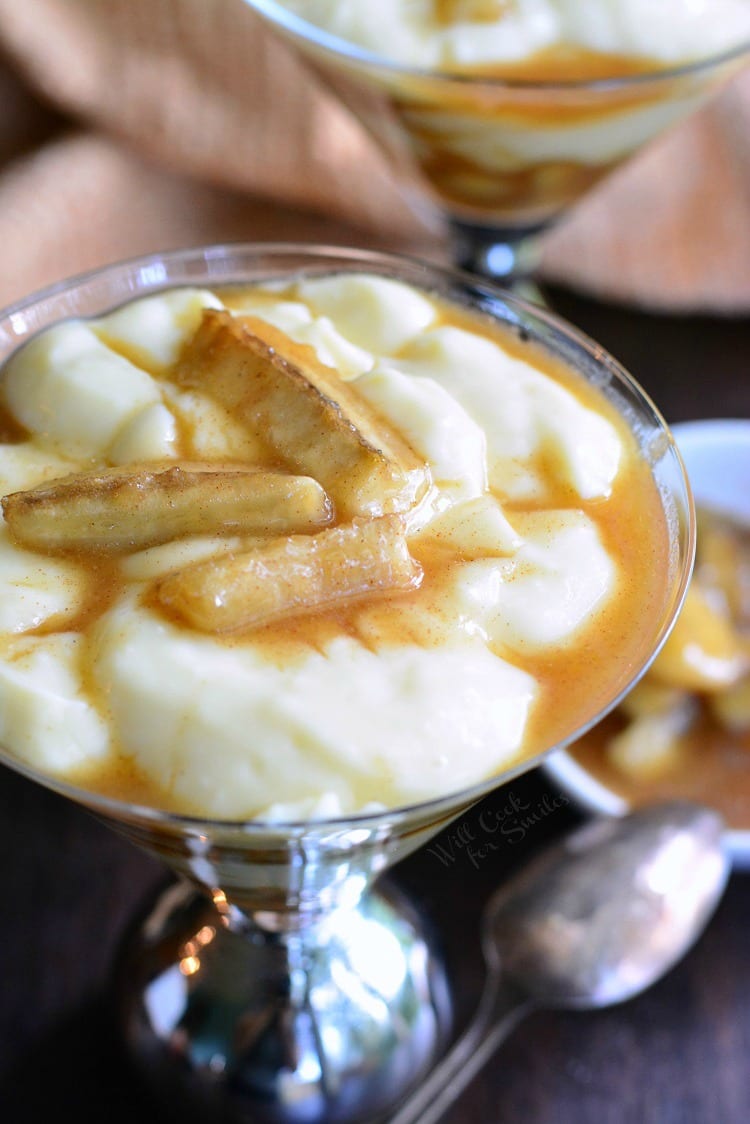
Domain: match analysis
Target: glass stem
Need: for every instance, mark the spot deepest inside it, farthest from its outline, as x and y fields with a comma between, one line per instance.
x=507, y=256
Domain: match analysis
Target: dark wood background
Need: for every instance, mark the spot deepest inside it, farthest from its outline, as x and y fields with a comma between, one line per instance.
x=679, y=1054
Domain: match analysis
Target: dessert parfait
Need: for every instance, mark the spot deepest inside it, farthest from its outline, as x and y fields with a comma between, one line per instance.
x=312, y=548
x=512, y=109
x=303, y=551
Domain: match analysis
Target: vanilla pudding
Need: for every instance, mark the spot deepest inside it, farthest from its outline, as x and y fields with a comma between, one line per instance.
x=497, y=100
x=311, y=548
x=540, y=35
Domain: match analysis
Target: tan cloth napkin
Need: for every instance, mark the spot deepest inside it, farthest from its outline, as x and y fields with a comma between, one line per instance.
x=137, y=125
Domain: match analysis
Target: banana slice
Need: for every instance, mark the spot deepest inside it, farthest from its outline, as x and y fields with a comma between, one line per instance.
x=308, y=416
x=116, y=509
x=704, y=651
x=293, y=575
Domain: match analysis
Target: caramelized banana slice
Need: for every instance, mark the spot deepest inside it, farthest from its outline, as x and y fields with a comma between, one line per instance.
x=732, y=707
x=652, y=745
x=116, y=509
x=704, y=652
x=317, y=423
x=293, y=575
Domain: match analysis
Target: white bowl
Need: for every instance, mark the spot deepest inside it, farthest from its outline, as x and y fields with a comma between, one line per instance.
x=717, y=458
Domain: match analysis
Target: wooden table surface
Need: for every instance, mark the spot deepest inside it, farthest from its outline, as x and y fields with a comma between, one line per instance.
x=676, y=1055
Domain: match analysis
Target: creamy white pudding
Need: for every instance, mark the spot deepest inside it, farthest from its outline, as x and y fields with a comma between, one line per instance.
x=456, y=34
x=498, y=100
x=304, y=550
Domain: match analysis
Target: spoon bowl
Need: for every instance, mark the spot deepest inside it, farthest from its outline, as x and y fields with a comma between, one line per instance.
x=600, y=917
x=592, y=921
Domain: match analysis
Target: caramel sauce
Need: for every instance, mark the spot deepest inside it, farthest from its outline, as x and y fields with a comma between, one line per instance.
x=714, y=769
x=566, y=62
x=121, y=779
x=11, y=431
x=532, y=193
x=532, y=189
x=574, y=683
x=449, y=12
x=560, y=84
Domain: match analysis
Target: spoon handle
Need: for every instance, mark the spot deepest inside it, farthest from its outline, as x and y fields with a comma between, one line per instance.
x=500, y=1009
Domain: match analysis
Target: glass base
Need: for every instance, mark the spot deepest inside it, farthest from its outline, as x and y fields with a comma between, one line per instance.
x=232, y=1024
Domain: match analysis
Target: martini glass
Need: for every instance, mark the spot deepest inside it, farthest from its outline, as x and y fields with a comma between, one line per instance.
x=501, y=159
x=278, y=977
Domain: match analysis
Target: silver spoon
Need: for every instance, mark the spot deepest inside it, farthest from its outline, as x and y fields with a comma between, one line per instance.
x=592, y=921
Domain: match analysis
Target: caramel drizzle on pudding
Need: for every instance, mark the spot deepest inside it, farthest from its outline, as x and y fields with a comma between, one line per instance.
x=566, y=62
x=532, y=193
x=531, y=96
x=573, y=684
x=448, y=12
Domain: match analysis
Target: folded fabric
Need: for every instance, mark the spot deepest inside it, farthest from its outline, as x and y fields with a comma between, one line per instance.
x=148, y=124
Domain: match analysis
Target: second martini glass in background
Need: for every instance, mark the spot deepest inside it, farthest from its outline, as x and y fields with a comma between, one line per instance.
x=501, y=152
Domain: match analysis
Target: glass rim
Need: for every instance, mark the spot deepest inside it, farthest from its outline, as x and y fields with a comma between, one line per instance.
x=524, y=315
x=298, y=26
